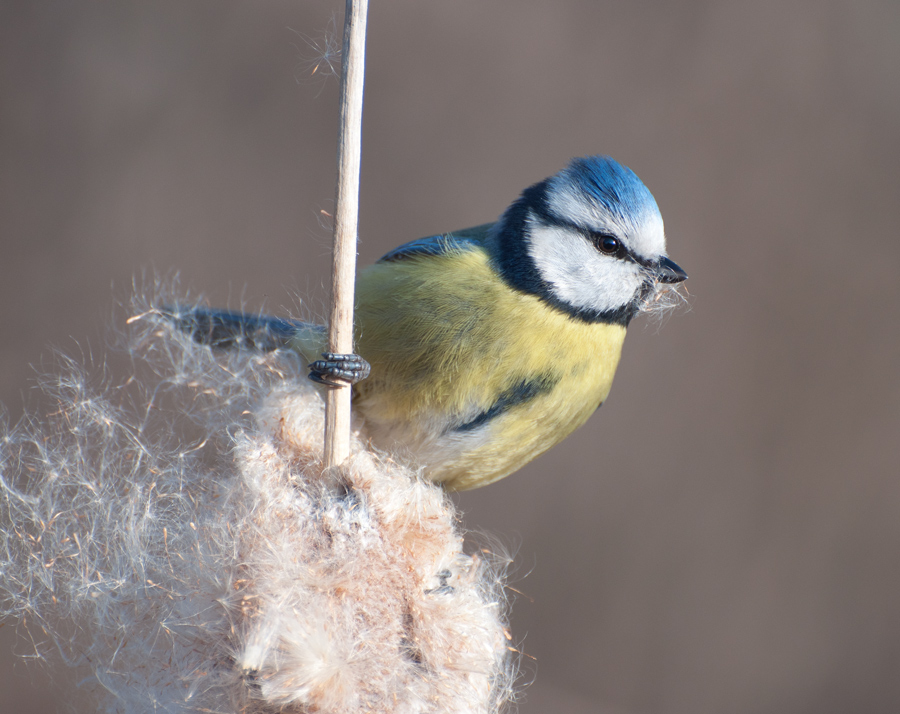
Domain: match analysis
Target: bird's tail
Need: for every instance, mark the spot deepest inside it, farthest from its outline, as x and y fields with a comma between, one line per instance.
x=222, y=329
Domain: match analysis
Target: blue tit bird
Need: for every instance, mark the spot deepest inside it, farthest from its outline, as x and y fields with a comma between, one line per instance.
x=489, y=345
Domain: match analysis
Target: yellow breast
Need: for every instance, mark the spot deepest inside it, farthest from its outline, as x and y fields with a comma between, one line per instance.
x=473, y=378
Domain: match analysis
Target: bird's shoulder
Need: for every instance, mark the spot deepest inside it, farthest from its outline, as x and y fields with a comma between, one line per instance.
x=441, y=244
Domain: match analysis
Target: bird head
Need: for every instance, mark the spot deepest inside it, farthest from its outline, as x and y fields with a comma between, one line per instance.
x=588, y=240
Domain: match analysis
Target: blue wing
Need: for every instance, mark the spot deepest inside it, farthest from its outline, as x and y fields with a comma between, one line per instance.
x=466, y=239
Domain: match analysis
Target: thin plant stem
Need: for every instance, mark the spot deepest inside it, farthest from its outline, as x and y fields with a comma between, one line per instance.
x=346, y=219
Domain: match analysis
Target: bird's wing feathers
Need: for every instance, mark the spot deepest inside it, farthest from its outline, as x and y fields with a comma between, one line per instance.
x=440, y=244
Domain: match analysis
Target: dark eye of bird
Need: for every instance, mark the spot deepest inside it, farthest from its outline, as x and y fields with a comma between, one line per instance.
x=607, y=244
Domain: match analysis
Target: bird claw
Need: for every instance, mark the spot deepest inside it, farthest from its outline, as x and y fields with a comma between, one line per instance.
x=336, y=370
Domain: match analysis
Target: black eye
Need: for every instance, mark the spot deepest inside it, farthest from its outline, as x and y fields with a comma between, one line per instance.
x=607, y=244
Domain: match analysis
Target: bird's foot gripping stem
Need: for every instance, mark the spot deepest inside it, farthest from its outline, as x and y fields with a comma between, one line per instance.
x=336, y=370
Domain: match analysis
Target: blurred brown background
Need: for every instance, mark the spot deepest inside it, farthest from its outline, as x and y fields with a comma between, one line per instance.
x=724, y=536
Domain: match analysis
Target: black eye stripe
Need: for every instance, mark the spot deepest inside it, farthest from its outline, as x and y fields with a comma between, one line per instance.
x=551, y=219
x=608, y=244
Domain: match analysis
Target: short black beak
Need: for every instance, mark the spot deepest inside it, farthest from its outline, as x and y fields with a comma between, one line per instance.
x=669, y=272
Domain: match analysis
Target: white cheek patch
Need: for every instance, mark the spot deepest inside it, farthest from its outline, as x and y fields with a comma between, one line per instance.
x=645, y=233
x=579, y=274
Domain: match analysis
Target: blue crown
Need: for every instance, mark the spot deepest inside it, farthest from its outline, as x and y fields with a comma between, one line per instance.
x=608, y=184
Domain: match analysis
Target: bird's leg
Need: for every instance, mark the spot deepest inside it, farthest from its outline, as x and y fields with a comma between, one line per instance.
x=338, y=369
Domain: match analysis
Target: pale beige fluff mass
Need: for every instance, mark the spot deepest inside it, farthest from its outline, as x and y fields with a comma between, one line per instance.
x=180, y=520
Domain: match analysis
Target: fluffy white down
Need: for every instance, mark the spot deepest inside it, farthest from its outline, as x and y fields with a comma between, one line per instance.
x=215, y=567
